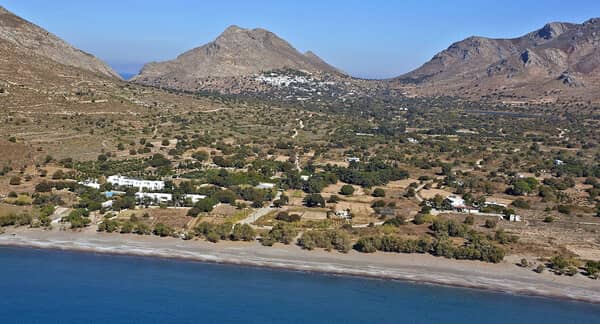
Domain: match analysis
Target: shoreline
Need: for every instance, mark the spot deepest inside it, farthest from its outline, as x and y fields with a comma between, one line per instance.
x=414, y=268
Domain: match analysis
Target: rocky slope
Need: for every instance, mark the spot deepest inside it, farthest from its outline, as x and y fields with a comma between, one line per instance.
x=24, y=36
x=236, y=52
x=560, y=59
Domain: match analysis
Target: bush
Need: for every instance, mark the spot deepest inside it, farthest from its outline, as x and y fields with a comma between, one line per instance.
x=521, y=203
x=331, y=239
x=419, y=219
x=396, y=221
x=282, y=233
x=548, y=219
x=333, y=199
x=314, y=200
x=347, y=190
x=469, y=220
x=378, y=204
x=491, y=223
x=243, y=232
x=15, y=181
x=163, y=230
x=378, y=192
x=285, y=217
x=564, y=209
x=540, y=268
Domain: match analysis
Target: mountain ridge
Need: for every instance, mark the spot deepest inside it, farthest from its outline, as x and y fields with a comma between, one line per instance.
x=27, y=36
x=559, y=55
x=235, y=52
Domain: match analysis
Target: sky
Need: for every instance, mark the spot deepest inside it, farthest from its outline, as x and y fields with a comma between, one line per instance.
x=369, y=39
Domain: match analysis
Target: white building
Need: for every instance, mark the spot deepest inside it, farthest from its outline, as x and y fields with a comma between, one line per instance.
x=304, y=177
x=495, y=203
x=154, y=197
x=265, y=185
x=345, y=214
x=120, y=181
x=456, y=201
x=194, y=198
x=107, y=204
x=90, y=184
x=353, y=159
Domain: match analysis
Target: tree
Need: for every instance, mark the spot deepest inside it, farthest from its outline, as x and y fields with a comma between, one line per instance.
x=162, y=230
x=15, y=181
x=347, y=190
x=243, y=232
x=378, y=192
x=490, y=223
x=205, y=205
x=314, y=200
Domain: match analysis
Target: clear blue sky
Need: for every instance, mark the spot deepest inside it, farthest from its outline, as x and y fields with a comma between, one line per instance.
x=374, y=39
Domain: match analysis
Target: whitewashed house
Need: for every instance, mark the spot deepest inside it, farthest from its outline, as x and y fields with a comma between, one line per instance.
x=265, y=185
x=456, y=201
x=194, y=198
x=159, y=198
x=117, y=180
x=353, y=159
x=90, y=184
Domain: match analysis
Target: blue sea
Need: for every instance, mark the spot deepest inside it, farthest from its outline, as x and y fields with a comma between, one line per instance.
x=46, y=286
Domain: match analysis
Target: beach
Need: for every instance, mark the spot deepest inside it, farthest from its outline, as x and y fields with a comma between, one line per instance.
x=504, y=277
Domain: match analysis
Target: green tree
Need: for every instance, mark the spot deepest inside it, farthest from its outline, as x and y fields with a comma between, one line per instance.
x=347, y=190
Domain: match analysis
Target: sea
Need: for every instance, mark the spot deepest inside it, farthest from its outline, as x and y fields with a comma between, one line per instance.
x=51, y=286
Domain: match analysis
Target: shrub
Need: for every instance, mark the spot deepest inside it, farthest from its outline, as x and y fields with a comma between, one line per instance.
x=347, y=190
x=378, y=204
x=491, y=223
x=285, y=217
x=15, y=181
x=378, y=192
x=314, y=200
x=564, y=209
x=333, y=199
x=548, y=219
x=162, y=230
x=469, y=220
x=521, y=203
x=243, y=232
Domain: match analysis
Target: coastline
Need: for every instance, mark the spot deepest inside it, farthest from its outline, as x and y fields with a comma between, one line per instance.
x=504, y=277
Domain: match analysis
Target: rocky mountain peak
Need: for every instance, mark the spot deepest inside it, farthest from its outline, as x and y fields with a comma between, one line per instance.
x=553, y=30
x=25, y=36
x=236, y=52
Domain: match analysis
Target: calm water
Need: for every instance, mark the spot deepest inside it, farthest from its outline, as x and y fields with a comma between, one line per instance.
x=39, y=286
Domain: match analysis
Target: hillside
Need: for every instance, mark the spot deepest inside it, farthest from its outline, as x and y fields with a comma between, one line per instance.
x=557, y=61
x=26, y=37
x=236, y=52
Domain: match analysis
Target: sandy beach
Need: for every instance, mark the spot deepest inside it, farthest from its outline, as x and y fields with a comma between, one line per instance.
x=505, y=277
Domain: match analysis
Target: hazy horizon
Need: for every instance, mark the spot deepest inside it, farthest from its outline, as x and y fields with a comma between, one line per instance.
x=375, y=40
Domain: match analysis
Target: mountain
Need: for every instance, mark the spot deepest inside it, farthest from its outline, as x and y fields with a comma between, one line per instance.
x=24, y=36
x=560, y=59
x=236, y=52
